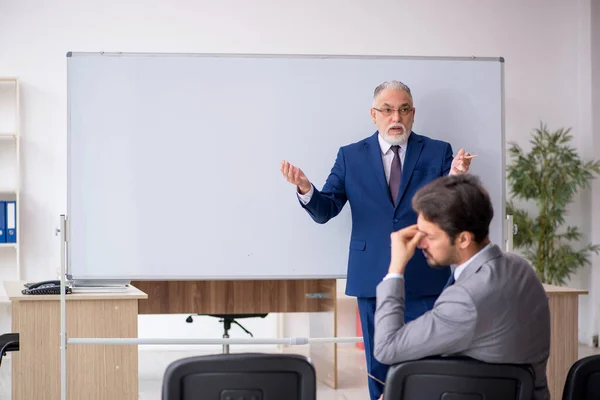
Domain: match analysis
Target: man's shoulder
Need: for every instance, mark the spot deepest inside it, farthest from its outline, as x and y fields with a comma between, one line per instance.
x=498, y=270
x=515, y=262
x=516, y=259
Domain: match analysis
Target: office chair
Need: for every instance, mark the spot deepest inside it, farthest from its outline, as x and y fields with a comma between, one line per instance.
x=227, y=320
x=583, y=380
x=248, y=376
x=8, y=342
x=458, y=378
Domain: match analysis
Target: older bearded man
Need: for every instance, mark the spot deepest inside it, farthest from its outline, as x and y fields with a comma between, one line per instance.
x=379, y=176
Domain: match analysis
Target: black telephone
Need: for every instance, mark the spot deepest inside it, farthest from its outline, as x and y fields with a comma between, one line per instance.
x=44, y=287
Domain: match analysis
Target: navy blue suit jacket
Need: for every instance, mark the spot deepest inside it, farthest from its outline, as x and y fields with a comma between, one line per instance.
x=358, y=177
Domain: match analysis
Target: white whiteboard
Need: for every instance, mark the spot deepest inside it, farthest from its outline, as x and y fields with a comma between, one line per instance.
x=173, y=159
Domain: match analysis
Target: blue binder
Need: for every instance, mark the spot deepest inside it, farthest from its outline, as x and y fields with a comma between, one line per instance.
x=2, y=222
x=11, y=222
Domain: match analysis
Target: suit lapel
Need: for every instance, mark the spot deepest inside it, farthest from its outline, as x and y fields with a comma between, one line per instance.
x=413, y=151
x=373, y=153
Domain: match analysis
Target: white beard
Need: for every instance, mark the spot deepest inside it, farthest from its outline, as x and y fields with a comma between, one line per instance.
x=396, y=140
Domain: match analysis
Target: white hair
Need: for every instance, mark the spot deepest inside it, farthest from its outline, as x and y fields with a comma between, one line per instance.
x=390, y=85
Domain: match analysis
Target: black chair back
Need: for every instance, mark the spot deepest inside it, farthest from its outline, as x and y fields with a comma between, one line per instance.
x=458, y=379
x=583, y=380
x=8, y=342
x=253, y=376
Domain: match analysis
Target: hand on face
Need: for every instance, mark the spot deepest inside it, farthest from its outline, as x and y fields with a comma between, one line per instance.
x=461, y=163
x=404, y=243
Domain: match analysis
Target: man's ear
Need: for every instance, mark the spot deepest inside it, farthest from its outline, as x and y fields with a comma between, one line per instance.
x=373, y=115
x=465, y=239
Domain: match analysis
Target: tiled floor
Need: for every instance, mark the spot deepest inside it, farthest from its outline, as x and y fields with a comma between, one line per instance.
x=152, y=364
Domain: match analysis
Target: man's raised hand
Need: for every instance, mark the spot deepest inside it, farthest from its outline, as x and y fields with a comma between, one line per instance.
x=404, y=243
x=295, y=176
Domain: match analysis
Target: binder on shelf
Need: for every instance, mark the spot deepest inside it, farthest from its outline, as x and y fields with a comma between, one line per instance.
x=10, y=219
x=2, y=221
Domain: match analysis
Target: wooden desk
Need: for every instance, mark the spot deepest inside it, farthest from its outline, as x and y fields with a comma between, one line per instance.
x=564, y=345
x=314, y=296
x=93, y=371
x=110, y=371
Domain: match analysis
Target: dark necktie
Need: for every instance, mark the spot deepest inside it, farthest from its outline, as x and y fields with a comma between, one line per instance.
x=450, y=281
x=395, y=174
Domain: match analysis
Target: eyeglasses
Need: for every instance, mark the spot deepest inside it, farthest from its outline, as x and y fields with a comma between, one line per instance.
x=388, y=111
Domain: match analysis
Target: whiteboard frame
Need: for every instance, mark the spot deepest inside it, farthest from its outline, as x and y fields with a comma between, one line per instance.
x=503, y=216
x=285, y=55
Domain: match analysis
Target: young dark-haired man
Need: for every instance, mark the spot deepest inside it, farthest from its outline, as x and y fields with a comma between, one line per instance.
x=493, y=309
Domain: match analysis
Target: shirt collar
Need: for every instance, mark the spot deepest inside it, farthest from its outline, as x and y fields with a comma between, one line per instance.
x=459, y=270
x=385, y=146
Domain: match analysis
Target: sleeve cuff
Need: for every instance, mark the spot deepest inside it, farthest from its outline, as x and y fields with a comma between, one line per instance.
x=305, y=198
x=393, y=275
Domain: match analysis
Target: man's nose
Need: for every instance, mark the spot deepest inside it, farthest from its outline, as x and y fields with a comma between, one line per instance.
x=396, y=116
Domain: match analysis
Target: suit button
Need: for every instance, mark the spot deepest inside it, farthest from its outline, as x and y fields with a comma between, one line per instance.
x=395, y=220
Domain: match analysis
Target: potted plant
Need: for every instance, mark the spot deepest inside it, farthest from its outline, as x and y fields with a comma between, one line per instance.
x=550, y=174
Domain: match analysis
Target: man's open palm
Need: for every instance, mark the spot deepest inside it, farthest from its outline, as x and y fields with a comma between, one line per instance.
x=294, y=175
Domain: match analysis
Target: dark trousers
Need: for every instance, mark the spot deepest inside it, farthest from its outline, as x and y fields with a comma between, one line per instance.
x=366, y=309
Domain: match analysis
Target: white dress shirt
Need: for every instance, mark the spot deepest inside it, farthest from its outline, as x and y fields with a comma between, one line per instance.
x=387, y=156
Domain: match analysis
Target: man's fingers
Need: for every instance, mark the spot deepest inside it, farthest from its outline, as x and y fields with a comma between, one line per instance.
x=291, y=173
x=461, y=164
x=410, y=235
x=296, y=174
x=288, y=172
x=415, y=240
x=407, y=233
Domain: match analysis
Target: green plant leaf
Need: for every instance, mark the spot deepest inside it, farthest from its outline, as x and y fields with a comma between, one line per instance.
x=549, y=175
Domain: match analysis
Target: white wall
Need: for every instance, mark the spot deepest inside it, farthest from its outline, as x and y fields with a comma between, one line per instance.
x=546, y=45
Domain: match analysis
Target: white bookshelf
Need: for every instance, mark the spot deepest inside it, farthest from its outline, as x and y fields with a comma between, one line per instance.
x=10, y=175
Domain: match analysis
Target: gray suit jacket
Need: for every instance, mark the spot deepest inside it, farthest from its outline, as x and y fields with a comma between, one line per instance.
x=496, y=312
